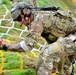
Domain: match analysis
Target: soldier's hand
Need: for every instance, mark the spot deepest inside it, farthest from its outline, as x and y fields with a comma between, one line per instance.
x=2, y=43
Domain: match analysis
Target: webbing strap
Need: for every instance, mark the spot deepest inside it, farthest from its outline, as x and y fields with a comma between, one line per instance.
x=72, y=73
x=72, y=62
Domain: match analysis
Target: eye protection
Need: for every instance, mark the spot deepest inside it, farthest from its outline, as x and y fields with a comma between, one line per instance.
x=19, y=18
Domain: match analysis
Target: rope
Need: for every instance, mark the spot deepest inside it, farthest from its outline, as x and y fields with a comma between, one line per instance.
x=1, y=67
x=12, y=25
x=21, y=66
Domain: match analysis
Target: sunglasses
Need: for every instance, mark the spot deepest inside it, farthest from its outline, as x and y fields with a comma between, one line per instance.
x=19, y=18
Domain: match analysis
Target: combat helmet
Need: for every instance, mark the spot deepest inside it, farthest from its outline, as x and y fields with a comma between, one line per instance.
x=17, y=10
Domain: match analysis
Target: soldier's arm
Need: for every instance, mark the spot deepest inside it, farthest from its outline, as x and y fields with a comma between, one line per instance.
x=11, y=47
x=14, y=47
x=29, y=42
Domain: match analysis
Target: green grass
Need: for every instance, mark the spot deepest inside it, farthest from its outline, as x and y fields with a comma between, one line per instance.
x=6, y=2
x=69, y=4
x=2, y=10
x=59, y=3
x=21, y=72
x=17, y=25
x=3, y=30
x=12, y=64
x=52, y=3
x=14, y=32
x=6, y=23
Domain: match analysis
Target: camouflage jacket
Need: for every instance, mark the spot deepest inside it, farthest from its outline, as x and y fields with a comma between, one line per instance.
x=50, y=25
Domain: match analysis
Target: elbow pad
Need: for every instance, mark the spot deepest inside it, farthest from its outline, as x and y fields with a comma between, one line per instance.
x=24, y=46
x=27, y=45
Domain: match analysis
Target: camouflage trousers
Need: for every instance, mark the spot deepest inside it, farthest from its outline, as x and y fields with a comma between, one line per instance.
x=52, y=61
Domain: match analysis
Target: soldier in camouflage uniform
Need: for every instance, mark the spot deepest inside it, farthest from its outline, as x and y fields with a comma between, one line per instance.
x=47, y=24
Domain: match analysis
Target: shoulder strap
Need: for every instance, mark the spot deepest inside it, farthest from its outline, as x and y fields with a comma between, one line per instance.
x=47, y=8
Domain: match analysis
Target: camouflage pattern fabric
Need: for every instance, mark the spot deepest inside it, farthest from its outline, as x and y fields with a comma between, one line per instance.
x=51, y=58
x=50, y=25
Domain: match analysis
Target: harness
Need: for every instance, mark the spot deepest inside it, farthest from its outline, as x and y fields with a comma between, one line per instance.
x=72, y=62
